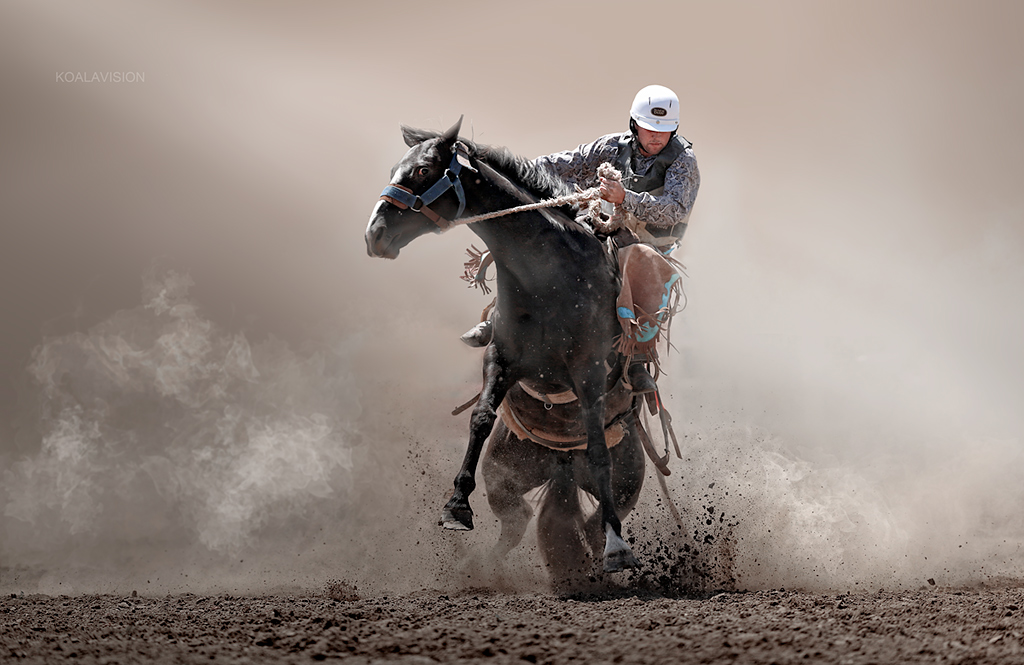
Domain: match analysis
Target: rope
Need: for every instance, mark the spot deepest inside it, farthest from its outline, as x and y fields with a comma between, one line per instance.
x=569, y=199
x=587, y=195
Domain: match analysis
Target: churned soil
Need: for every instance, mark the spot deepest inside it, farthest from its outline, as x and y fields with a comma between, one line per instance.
x=980, y=625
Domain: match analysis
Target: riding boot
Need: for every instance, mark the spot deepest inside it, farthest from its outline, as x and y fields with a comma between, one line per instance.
x=639, y=378
x=479, y=335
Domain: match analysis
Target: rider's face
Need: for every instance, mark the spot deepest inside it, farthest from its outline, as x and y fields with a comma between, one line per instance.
x=651, y=143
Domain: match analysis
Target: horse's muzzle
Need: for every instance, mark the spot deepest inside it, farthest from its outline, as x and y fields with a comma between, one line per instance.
x=378, y=241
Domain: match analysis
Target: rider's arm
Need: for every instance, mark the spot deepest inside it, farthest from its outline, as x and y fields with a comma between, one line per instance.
x=579, y=166
x=674, y=205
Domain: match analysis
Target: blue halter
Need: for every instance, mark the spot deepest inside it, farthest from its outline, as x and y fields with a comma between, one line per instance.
x=404, y=198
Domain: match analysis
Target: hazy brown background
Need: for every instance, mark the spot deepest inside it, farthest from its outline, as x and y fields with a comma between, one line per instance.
x=851, y=363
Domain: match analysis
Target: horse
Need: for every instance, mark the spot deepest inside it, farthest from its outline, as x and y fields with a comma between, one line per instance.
x=553, y=329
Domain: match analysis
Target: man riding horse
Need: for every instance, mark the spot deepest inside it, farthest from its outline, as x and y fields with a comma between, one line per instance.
x=651, y=203
x=554, y=360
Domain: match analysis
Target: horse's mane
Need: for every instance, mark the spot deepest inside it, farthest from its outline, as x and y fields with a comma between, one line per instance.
x=522, y=172
x=535, y=179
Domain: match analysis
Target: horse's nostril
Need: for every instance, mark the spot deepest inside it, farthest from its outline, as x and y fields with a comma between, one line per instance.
x=374, y=236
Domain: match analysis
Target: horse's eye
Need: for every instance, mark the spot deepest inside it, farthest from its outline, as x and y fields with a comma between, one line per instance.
x=423, y=170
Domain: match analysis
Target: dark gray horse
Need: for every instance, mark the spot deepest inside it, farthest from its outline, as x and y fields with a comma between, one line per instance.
x=554, y=324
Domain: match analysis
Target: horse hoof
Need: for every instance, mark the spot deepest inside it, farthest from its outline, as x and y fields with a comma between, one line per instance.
x=615, y=562
x=457, y=519
x=617, y=555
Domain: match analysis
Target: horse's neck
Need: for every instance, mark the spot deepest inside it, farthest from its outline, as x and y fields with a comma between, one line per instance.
x=513, y=240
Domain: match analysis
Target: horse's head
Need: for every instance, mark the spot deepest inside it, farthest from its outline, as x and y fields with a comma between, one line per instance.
x=424, y=193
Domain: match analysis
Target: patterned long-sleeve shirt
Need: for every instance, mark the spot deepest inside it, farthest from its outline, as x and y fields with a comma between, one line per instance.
x=672, y=206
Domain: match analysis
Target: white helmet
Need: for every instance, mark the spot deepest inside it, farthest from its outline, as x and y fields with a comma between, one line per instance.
x=656, y=108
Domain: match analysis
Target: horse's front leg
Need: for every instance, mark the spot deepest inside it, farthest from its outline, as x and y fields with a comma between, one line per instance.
x=617, y=553
x=457, y=514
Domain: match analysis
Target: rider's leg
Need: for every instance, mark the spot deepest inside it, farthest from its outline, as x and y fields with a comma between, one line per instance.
x=640, y=378
x=481, y=334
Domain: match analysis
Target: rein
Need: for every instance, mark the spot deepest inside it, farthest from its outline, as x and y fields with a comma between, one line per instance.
x=403, y=197
x=591, y=194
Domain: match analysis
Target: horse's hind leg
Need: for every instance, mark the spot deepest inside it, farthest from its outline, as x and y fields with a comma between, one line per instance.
x=511, y=468
x=559, y=528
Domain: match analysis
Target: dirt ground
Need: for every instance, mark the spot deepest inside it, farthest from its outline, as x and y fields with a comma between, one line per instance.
x=979, y=625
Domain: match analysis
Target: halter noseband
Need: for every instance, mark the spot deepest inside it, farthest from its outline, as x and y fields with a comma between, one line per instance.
x=404, y=198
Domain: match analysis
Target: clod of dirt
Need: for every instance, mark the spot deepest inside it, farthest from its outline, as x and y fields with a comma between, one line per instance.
x=340, y=590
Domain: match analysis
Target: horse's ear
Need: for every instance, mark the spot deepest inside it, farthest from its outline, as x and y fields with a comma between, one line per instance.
x=452, y=134
x=413, y=137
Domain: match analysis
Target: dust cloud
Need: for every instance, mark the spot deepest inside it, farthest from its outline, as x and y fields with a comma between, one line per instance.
x=209, y=385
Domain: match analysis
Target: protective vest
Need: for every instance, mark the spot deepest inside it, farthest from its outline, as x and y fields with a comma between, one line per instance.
x=652, y=182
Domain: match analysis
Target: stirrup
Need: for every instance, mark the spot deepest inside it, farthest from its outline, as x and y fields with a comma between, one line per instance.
x=479, y=335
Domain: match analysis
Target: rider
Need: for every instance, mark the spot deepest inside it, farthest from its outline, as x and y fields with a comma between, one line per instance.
x=659, y=185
